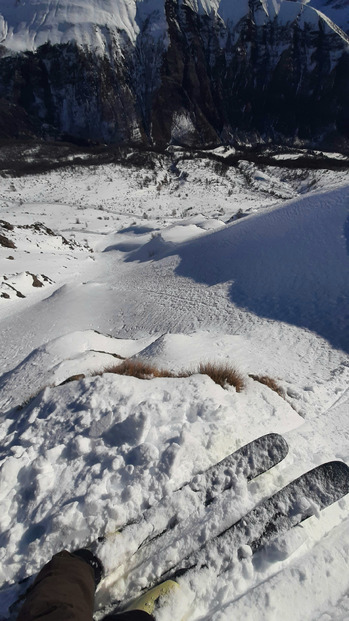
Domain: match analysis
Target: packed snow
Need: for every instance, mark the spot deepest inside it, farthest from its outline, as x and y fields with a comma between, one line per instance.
x=176, y=266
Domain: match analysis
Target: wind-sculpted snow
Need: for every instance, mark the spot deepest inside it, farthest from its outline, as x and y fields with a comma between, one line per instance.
x=290, y=264
x=74, y=354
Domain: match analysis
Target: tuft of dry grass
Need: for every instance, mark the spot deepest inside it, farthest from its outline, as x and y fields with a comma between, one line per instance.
x=270, y=382
x=139, y=369
x=223, y=374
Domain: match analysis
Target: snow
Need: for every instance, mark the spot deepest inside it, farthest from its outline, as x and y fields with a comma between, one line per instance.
x=97, y=24
x=28, y=24
x=271, y=7
x=160, y=266
x=337, y=11
x=310, y=287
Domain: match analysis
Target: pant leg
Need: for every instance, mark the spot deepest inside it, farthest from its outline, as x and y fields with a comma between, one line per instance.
x=130, y=615
x=63, y=591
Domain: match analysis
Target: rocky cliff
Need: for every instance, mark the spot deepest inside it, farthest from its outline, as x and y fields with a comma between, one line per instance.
x=193, y=72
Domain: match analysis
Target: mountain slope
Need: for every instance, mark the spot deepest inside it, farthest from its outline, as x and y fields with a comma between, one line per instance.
x=336, y=10
x=192, y=72
x=290, y=263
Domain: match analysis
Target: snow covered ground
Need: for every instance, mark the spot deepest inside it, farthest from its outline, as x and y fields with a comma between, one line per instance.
x=180, y=265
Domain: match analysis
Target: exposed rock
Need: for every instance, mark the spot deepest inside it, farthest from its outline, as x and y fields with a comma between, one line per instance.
x=39, y=227
x=73, y=378
x=36, y=281
x=6, y=242
x=6, y=225
x=272, y=71
x=15, y=121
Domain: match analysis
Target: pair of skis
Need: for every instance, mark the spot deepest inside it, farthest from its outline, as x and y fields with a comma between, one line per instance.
x=158, y=526
x=313, y=491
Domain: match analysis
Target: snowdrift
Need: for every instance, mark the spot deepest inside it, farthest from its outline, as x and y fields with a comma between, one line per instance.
x=290, y=264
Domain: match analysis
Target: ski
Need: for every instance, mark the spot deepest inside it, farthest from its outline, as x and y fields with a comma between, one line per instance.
x=177, y=510
x=176, y=522
x=303, y=497
x=249, y=461
x=313, y=491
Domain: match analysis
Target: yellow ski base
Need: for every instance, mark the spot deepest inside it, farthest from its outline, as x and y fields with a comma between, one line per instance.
x=148, y=601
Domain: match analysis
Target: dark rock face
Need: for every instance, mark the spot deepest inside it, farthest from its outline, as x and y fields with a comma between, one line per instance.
x=70, y=90
x=258, y=79
x=273, y=81
x=14, y=121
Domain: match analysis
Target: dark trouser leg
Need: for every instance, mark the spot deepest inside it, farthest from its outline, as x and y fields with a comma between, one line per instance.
x=63, y=591
x=131, y=615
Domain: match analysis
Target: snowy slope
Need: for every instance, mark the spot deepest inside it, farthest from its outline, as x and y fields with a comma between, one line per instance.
x=96, y=23
x=176, y=287
x=27, y=25
x=291, y=264
x=336, y=10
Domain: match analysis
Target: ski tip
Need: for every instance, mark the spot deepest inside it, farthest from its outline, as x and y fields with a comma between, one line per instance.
x=152, y=600
x=336, y=472
x=277, y=440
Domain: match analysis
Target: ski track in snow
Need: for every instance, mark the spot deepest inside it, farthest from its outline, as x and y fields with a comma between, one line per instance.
x=81, y=459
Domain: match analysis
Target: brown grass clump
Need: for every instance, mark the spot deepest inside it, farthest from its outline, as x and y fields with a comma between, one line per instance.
x=223, y=374
x=139, y=369
x=270, y=382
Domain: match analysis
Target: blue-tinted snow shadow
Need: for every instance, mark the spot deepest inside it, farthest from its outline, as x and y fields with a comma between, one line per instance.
x=132, y=245
x=346, y=233
x=290, y=267
x=123, y=247
x=136, y=230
